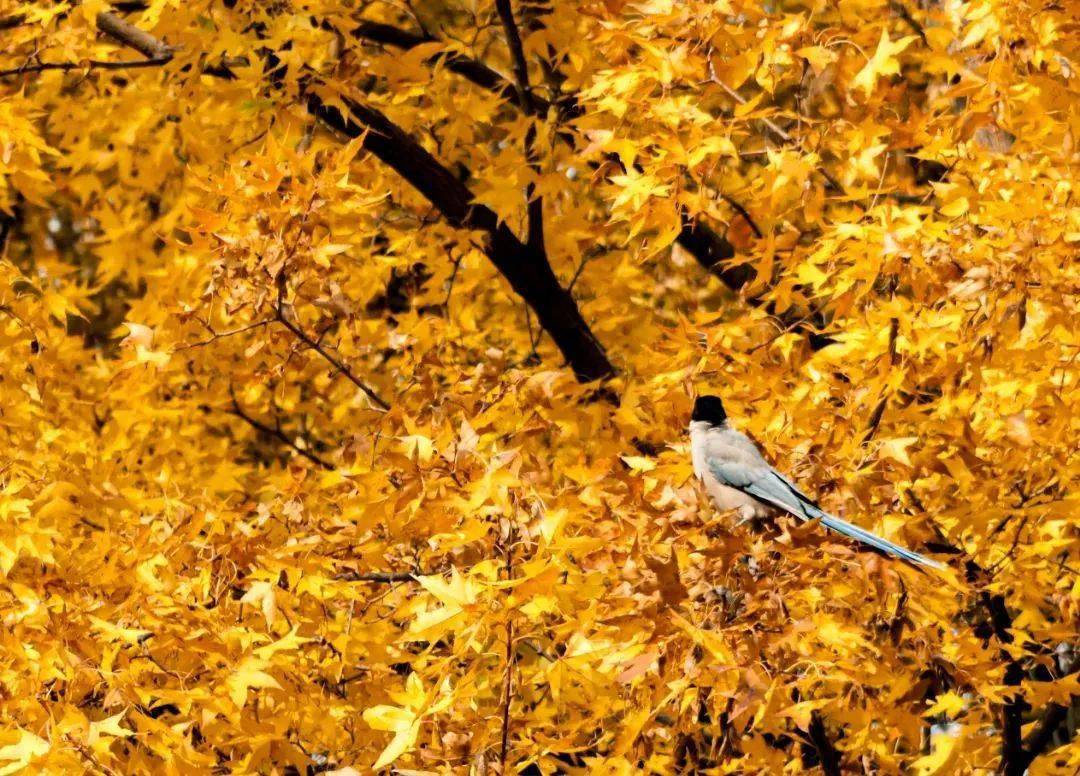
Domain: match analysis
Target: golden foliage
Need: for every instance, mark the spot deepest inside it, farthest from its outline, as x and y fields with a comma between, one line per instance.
x=297, y=476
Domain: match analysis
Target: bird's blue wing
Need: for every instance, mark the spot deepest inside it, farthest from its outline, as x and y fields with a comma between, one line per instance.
x=771, y=487
x=763, y=483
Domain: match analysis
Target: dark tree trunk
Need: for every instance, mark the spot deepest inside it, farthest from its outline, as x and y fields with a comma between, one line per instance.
x=525, y=266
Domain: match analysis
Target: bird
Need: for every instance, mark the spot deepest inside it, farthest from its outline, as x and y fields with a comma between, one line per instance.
x=737, y=477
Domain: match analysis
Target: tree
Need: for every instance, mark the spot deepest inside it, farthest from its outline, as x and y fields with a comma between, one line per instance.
x=349, y=349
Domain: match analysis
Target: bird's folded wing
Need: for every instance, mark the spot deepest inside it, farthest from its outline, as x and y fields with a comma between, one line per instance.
x=765, y=484
x=769, y=486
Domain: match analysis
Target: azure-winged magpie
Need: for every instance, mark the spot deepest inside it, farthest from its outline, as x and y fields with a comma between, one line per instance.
x=736, y=476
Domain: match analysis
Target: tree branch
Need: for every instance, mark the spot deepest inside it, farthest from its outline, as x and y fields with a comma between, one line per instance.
x=1037, y=741
x=381, y=577
x=702, y=242
x=535, y=238
x=517, y=54
x=1014, y=759
x=508, y=676
x=304, y=337
x=775, y=129
x=470, y=69
x=742, y=211
x=155, y=50
x=89, y=64
x=524, y=267
x=276, y=433
x=1017, y=753
x=131, y=36
x=827, y=754
x=7, y=226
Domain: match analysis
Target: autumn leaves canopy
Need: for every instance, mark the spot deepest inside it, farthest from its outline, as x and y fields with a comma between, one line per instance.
x=348, y=351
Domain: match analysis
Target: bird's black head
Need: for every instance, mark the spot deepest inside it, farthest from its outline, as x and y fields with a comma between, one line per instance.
x=709, y=409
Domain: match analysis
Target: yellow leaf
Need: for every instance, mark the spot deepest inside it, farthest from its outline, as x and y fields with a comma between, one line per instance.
x=20, y=754
x=948, y=703
x=138, y=334
x=639, y=464
x=819, y=57
x=389, y=718
x=262, y=594
x=91, y=8
x=942, y=759
x=418, y=446
x=322, y=254
x=102, y=733
x=883, y=62
x=897, y=449
x=249, y=674
x=551, y=523
x=955, y=208
x=401, y=743
x=117, y=633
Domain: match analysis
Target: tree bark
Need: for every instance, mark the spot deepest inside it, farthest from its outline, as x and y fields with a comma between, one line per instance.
x=708, y=247
x=525, y=267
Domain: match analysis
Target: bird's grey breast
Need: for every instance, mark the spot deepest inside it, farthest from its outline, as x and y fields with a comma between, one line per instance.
x=725, y=445
x=722, y=447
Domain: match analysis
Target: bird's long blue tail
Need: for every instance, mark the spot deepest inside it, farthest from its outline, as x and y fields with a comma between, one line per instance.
x=873, y=540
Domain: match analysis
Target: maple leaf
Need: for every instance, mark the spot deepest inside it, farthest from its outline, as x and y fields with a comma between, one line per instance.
x=20, y=754
x=250, y=673
x=415, y=311
x=882, y=62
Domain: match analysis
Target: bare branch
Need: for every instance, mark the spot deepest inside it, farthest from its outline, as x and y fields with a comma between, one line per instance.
x=276, y=433
x=524, y=266
x=131, y=36
x=314, y=344
x=381, y=577
x=156, y=51
x=535, y=238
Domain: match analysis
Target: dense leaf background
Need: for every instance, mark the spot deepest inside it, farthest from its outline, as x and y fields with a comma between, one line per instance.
x=348, y=350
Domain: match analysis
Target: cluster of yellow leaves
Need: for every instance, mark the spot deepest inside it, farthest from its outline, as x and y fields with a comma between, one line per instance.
x=218, y=552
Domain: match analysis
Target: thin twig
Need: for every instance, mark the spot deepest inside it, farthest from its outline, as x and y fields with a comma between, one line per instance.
x=535, y=204
x=742, y=211
x=304, y=337
x=89, y=64
x=221, y=335
x=450, y=285
x=316, y=345
x=577, y=272
x=382, y=577
x=276, y=433
x=7, y=226
x=508, y=678
x=156, y=51
x=772, y=126
x=1015, y=543
x=879, y=410
x=534, y=337
x=902, y=11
